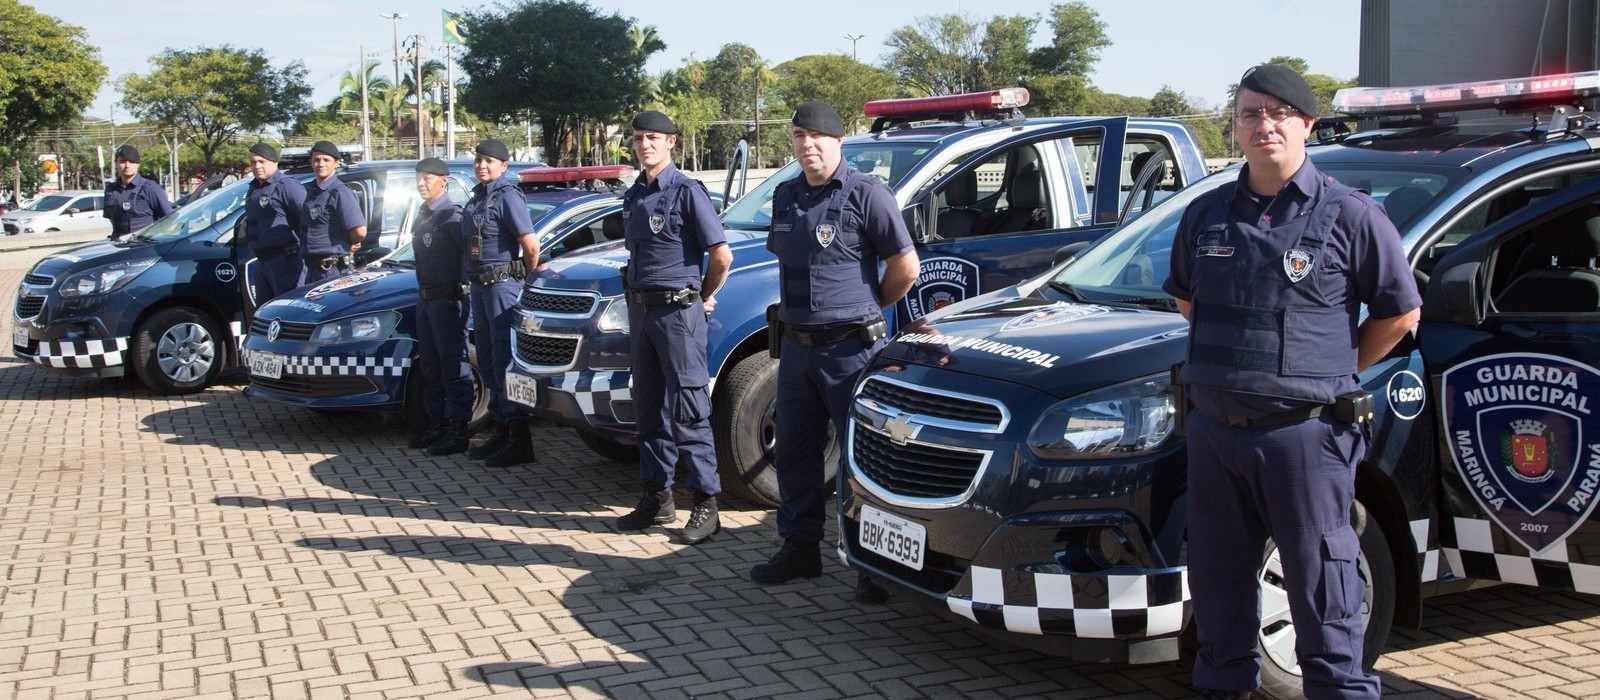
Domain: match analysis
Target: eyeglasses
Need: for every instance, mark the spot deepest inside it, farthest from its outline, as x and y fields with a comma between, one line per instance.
x=1251, y=118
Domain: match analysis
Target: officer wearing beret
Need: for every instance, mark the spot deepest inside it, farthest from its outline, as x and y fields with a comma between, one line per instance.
x=831, y=227
x=670, y=224
x=1271, y=272
x=501, y=250
x=273, y=225
x=441, y=313
x=133, y=202
x=335, y=224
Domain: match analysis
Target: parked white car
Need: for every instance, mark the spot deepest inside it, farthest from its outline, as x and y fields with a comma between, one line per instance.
x=68, y=210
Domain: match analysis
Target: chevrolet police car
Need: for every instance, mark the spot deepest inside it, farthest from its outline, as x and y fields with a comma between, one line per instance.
x=1013, y=460
x=168, y=302
x=349, y=343
x=988, y=195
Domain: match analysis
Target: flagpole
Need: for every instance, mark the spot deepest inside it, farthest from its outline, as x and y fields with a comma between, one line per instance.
x=449, y=101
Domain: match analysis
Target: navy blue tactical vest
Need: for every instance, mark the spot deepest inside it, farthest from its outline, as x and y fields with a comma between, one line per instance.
x=271, y=216
x=439, y=247
x=131, y=206
x=495, y=240
x=1262, y=324
x=657, y=262
x=826, y=273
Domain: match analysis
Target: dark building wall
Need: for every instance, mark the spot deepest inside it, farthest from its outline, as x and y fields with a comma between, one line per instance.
x=1421, y=42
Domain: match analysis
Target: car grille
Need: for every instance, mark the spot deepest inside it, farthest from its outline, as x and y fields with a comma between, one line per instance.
x=38, y=280
x=534, y=300
x=912, y=469
x=286, y=330
x=310, y=386
x=28, y=306
x=933, y=405
x=547, y=350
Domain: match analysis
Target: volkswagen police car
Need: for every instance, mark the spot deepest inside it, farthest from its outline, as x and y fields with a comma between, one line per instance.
x=349, y=343
x=988, y=195
x=168, y=302
x=1013, y=460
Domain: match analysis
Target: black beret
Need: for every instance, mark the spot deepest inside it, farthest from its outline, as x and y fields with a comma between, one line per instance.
x=651, y=120
x=326, y=148
x=433, y=165
x=1282, y=83
x=265, y=151
x=820, y=117
x=128, y=153
x=494, y=149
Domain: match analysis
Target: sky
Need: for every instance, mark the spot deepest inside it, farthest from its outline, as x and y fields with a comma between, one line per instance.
x=1197, y=47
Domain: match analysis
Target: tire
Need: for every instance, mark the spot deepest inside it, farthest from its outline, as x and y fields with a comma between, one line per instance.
x=610, y=449
x=1280, y=672
x=742, y=422
x=414, y=411
x=178, y=351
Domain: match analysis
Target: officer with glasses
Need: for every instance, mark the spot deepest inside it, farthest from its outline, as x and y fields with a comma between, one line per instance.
x=1271, y=271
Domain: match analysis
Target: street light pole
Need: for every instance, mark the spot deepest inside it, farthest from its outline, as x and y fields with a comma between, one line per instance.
x=853, y=38
x=394, y=21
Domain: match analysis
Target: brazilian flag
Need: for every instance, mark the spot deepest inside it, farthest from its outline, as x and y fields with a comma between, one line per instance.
x=455, y=29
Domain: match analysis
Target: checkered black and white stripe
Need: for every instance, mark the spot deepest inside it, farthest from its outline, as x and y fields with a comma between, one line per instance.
x=593, y=389
x=1482, y=551
x=82, y=354
x=337, y=365
x=238, y=331
x=1427, y=554
x=1103, y=607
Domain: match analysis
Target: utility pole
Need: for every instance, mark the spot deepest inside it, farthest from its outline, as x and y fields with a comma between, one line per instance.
x=853, y=38
x=366, y=110
x=416, y=86
x=394, y=21
x=449, y=93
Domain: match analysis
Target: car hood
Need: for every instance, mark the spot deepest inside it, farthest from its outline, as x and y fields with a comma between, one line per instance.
x=97, y=253
x=598, y=268
x=366, y=290
x=19, y=215
x=1063, y=348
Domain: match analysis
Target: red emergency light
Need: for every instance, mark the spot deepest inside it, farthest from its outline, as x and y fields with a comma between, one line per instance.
x=1006, y=98
x=587, y=172
x=1506, y=94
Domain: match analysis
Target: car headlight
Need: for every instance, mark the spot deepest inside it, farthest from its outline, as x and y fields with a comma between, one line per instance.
x=356, y=329
x=104, y=279
x=615, y=318
x=1127, y=420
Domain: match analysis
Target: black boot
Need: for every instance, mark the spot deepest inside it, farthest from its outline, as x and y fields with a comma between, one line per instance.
x=427, y=437
x=497, y=440
x=517, y=450
x=452, y=441
x=655, y=508
x=794, y=560
x=703, y=520
x=869, y=592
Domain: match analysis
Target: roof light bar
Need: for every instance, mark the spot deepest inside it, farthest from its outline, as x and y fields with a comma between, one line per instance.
x=587, y=172
x=1506, y=94
x=1006, y=98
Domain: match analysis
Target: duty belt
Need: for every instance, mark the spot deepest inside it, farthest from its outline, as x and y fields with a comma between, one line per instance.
x=1279, y=418
x=266, y=254
x=329, y=262
x=867, y=332
x=498, y=273
x=685, y=297
x=448, y=291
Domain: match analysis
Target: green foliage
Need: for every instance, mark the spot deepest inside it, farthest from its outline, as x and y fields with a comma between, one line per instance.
x=331, y=124
x=726, y=81
x=1212, y=136
x=838, y=80
x=1054, y=95
x=210, y=95
x=955, y=53
x=937, y=55
x=49, y=72
x=1077, y=36
x=1168, y=102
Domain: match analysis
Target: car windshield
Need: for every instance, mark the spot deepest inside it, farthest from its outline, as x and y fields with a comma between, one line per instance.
x=888, y=162
x=48, y=203
x=200, y=214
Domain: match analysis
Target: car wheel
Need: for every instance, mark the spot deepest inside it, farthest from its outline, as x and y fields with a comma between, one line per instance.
x=414, y=411
x=178, y=351
x=742, y=422
x=1280, y=671
x=610, y=449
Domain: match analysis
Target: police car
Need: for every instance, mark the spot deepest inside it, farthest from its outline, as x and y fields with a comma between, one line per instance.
x=1013, y=460
x=988, y=194
x=349, y=343
x=168, y=302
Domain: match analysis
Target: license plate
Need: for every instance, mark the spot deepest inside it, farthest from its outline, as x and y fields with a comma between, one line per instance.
x=523, y=390
x=266, y=364
x=892, y=536
x=19, y=336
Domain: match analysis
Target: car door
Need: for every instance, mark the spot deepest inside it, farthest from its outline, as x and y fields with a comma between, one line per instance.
x=84, y=214
x=1510, y=337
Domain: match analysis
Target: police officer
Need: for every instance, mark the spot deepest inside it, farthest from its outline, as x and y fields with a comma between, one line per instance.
x=334, y=222
x=831, y=226
x=1271, y=272
x=441, y=313
x=273, y=225
x=501, y=250
x=669, y=224
x=133, y=202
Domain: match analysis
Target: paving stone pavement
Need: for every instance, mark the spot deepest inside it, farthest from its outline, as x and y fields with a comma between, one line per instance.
x=216, y=546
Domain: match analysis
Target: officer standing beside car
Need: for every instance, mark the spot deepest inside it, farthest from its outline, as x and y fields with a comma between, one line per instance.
x=831, y=226
x=273, y=225
x=334, y=222
x=670, y=224
x=1271, y=273
x=133, y=202
x=441, y=313
x=501, y=250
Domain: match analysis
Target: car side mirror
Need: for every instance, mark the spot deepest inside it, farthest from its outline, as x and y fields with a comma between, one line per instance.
x=71, y=211
x=1070, y=251
x=916, y=217
x=1458, y=287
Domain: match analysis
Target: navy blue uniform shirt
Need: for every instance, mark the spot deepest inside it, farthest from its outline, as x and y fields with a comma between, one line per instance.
x=135, y=205
x=669, y=224
x=273, y=210
x=331, y=210
x=439, y=246
x=499, y=213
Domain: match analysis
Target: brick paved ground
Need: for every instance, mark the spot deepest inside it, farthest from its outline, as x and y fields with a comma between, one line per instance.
x=216, y=546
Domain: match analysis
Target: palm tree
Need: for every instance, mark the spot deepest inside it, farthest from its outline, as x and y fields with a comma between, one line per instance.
x=760, y=71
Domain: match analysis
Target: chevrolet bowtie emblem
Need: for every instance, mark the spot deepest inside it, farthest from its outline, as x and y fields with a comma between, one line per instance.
x=899, y=428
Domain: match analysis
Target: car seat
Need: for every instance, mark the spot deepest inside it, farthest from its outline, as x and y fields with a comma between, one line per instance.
x=1405, y=201
x=958, y=218
x=1026, y=208
x=1557, y=271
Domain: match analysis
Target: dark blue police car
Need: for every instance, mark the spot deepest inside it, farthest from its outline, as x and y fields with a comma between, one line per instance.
x=1013, y=460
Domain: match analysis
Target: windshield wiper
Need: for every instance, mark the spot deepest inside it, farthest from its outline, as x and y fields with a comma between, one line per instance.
x=1157, y=303
x=1069, y=290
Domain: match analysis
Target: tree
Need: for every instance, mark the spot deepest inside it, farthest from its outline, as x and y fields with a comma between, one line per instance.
x=1004, y=48
x=1078, y=35
x=937, y=55
x=724, y=80
x=558, y=59
x=210, y=95
x=49, y=72
x=1168, y=102
x=838, y=80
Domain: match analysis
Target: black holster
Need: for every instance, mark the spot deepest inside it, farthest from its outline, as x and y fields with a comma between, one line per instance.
x=1355, y=407
x=1180, y=402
